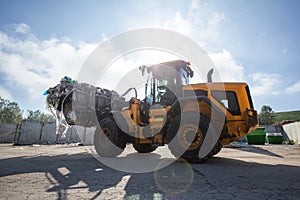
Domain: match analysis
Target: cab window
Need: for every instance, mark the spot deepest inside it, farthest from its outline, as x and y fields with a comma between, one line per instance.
x=184, y=77
x=228, y=99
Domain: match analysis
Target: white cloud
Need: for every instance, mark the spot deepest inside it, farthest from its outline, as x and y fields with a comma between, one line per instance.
x=198, y=23
x=203, y=26
x=179, y=24
x=104, y=37
x=29, y=65
x=211, y=31
x=228, y=68
x=206, y=24
x=126, y=68
x=265, y=84
x=5, y=94
x=22, y=28
x=293, y=88
x=194, y=5
x=19, y=28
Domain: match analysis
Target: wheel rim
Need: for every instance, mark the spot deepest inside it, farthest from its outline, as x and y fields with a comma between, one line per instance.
x=191, y=137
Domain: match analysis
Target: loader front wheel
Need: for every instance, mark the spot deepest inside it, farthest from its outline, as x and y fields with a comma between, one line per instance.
x=186, y=136
x=109, y=140
x=216, y=149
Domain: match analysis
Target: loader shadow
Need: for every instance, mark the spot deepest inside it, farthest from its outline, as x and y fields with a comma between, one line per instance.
x=258, y=150
x=217, y=178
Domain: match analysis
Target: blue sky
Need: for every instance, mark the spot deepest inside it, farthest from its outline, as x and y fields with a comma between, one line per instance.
x=252, y=41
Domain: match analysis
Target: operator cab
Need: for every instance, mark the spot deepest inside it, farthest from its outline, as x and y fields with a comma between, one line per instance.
x=165, y=81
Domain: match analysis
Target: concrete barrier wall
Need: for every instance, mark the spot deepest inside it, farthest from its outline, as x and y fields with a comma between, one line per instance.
x=30, y=132
x=74, y=135
x=292, y=131
x=272, y=129
x=77, y=134
x=48, y=135
x=35, y=132
x=7, y=132
x=82, y=134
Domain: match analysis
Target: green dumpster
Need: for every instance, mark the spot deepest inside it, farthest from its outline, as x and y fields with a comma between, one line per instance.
x=274, y=138
x=257, y=137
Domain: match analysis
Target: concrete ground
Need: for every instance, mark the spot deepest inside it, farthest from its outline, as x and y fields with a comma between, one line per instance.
x=71, y=172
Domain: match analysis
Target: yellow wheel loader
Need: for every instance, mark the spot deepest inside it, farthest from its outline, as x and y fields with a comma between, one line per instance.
x=194, y=120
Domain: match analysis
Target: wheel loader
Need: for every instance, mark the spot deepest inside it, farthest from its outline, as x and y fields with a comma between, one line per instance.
x=194, y=120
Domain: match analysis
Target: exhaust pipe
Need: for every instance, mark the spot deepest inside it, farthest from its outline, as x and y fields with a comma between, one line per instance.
x=209, y=75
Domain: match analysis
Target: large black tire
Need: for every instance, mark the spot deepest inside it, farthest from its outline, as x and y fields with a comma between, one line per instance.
x=216, y=149
x=109, y=140
x=144, y=148
x=186, y=140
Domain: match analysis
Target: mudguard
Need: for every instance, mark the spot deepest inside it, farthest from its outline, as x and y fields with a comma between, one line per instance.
x=217, y=116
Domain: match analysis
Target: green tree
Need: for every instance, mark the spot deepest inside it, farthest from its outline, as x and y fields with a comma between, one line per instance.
x=40, y=116
x=10, y=112
x=266, y=115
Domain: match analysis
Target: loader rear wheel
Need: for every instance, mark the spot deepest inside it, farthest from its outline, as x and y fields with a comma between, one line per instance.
x=144, y=148
x=109, y=141
x=186, y=136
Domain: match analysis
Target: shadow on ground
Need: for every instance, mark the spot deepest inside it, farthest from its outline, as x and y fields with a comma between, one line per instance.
x=255, y=149
x=218, y=178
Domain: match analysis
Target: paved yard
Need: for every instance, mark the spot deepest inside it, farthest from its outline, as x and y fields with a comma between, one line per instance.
x=71, y=172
